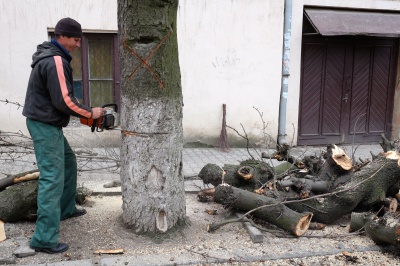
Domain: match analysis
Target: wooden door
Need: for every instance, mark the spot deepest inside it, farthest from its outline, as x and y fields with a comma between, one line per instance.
x=346, y=90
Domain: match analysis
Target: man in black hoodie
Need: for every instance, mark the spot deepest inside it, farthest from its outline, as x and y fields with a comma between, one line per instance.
x=49, y=103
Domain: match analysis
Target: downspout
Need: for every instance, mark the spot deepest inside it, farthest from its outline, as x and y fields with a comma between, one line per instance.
x=285, y=72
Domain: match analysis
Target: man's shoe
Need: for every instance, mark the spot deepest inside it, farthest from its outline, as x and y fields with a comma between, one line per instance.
x=77, y=213
x=61, y=247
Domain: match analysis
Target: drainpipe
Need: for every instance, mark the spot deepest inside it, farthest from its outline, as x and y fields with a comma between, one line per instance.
x=285, y=72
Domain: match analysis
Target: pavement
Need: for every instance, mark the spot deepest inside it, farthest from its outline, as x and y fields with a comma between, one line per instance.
x=193, y=161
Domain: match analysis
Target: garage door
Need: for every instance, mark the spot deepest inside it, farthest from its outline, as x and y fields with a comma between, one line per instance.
x=347, y=87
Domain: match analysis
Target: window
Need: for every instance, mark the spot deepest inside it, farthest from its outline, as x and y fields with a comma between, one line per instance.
x=96, y=70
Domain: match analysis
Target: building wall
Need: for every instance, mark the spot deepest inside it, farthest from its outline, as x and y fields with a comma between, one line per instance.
x=230, y=53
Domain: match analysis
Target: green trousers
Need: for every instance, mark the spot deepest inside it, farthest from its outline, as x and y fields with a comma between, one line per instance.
x=57, y=181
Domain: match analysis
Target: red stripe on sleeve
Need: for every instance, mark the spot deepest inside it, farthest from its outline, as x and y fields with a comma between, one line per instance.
x=64, y=89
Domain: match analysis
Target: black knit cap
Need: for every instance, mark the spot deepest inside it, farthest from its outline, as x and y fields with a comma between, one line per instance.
x=68, y=27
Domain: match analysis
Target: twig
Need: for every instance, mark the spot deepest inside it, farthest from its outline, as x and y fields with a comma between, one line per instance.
x=245, y=137
x=15, y=103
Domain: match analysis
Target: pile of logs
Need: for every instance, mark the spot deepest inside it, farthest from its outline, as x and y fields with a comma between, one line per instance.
x=321, y=189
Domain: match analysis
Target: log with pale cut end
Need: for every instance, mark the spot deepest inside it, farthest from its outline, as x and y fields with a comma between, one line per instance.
x=245, y=172
x=277, y=214
x=341, y=158
x=18, y=178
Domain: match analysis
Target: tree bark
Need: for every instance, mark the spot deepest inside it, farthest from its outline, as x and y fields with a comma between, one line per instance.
x=250, y=174
x=151, y=117
x=18, y=202
x=359, y=219
x=384, y=230
x=279, y=215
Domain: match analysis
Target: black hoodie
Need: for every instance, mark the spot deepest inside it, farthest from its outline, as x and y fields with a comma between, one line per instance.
x=50, y=93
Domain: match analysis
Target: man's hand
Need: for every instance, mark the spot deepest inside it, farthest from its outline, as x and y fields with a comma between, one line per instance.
x=97, y=112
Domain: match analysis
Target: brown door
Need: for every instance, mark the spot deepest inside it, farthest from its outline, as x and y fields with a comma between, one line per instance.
x=347, y=88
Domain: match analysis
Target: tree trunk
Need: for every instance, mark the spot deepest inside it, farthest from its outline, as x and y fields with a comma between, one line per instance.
x=151, y=117
x=279, y=215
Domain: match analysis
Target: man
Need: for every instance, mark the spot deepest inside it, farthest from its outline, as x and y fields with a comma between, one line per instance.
x=48, y=106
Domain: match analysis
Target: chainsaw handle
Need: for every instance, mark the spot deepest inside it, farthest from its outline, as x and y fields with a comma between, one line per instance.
x=93, y=127
x=114, y=105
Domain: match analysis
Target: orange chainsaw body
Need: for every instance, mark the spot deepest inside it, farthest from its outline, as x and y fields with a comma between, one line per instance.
x=109, y=120
x=90, y=121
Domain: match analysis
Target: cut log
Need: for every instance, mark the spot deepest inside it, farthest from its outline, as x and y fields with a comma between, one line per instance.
x=384, y=230
x=250, y=174
x=18, y=202
x=14, y=179
x=278, y=214
x=369, y=186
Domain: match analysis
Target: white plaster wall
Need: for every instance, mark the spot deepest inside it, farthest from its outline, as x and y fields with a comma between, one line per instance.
x=230, y=52
x=23, y=25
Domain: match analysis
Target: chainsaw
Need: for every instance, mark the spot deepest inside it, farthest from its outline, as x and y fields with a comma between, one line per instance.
x=109, y=120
